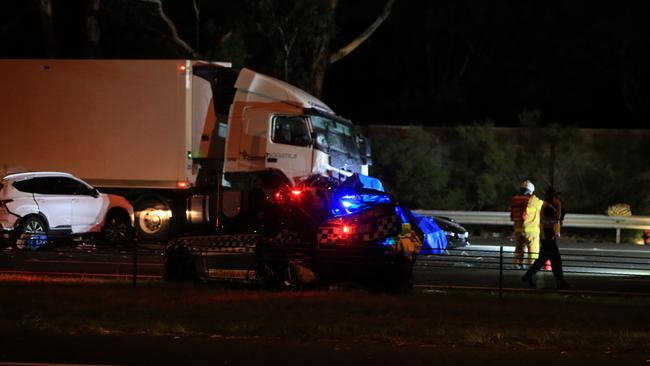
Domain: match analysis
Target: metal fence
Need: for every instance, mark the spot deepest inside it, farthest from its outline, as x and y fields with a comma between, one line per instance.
x=585, y=269
x=498, y=218
x=473, y=266
x=84, y=259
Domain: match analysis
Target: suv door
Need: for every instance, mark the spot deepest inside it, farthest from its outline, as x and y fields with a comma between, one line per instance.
x=87, y=206
x=55, y=202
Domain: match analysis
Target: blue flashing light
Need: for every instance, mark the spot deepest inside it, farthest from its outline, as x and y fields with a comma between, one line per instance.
x=350, y=203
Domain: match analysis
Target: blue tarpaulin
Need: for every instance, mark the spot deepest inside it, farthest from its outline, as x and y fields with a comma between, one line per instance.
x=363, y=181
x=435, y=240
x=371, y=182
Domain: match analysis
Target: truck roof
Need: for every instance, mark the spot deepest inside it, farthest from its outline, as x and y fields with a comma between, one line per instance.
x=258, y=87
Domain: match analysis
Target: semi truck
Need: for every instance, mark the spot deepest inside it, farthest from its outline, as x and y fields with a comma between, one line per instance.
x=255, y=179
x=170, y=134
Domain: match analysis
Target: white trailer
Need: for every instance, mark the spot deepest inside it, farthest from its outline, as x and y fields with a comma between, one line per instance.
x=155, y=131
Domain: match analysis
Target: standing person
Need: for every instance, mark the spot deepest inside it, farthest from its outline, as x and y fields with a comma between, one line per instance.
x=552, y=216
x=525, y=210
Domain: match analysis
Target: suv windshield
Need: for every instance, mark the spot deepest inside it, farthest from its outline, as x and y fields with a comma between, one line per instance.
x=334, y=135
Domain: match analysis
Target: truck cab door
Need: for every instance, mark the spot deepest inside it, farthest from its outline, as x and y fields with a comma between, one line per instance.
x=289, y=148
x=271, y=140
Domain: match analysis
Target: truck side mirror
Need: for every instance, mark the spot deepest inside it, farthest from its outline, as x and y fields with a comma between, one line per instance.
x=365, y=150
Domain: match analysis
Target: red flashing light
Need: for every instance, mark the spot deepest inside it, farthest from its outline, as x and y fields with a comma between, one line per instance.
x=296, y=192
x=277, y=198
x=347, y=229
x=182, y=68
x=182, y=185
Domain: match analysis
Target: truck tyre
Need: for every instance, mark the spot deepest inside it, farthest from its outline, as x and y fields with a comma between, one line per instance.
x=117, y=229
x=153, y=220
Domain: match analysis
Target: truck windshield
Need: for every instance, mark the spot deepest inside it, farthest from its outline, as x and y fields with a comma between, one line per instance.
x=334, y=135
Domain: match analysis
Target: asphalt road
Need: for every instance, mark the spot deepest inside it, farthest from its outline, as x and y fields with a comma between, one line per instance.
x=606, y=267
x=486, y=264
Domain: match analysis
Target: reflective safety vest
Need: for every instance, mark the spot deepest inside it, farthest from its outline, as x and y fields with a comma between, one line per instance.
x=529, y=220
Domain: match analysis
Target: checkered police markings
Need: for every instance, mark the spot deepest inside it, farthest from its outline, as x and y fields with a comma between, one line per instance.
x=385, y=227
x=243, y=243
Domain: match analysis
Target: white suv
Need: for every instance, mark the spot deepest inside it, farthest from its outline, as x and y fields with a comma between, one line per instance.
x=59, y=204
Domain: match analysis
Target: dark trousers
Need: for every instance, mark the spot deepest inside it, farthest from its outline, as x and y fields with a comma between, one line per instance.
x=548, y=251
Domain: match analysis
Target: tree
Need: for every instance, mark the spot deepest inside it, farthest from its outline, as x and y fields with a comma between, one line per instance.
x=47, y=23
x=405, y=162
x=483, y=167
x=139, y=29
x=299, y=34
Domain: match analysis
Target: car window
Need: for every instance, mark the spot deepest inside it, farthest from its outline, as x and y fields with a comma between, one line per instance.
x=72, y=186
x=24, y=185
x=52, y=185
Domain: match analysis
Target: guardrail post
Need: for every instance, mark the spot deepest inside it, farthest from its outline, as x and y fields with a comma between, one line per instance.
x=500, y=271
x=618, y=235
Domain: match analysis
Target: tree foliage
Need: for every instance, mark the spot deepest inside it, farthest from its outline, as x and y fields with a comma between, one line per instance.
x=483, y=167
x=479, y=167
x=408, y=168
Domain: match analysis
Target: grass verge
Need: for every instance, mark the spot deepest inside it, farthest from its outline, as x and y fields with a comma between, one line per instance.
x=462, y=318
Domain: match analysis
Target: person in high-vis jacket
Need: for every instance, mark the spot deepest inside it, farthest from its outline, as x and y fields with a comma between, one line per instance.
x=525, y=212
x=552, y=216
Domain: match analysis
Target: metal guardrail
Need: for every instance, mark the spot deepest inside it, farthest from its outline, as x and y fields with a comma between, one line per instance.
x=571, y=220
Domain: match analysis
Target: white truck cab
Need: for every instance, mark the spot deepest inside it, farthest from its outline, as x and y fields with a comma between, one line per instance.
x=275, y=126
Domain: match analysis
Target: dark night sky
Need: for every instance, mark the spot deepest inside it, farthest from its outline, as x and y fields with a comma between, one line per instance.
x=574, y=61
x=443, y=62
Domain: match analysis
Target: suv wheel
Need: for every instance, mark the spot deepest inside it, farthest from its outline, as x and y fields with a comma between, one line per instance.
x=117, y=229
x=33, y=225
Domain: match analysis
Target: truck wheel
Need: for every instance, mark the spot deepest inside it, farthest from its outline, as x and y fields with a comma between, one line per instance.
x=117, y=229
x=153, y=219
